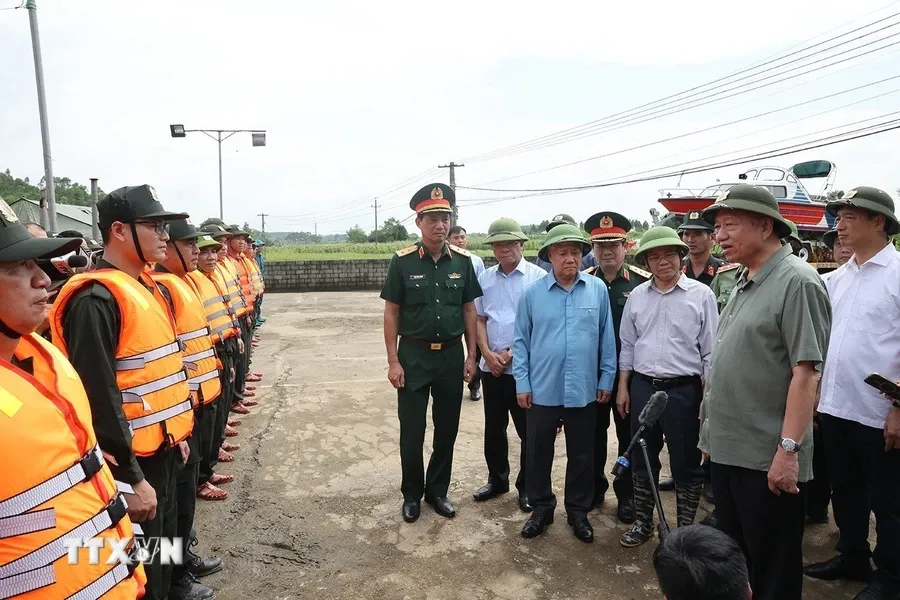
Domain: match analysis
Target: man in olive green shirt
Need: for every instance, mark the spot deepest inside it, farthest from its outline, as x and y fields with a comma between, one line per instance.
x=429, y=303
x=759, y=398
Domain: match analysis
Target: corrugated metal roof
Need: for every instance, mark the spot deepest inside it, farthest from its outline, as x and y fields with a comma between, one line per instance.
x=68, y=216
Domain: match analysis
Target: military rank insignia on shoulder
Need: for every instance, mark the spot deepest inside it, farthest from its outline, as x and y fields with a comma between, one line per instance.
x=460, y=250
x=637, y=271
x=408, y=250
x=589, y=270
x=729, y=267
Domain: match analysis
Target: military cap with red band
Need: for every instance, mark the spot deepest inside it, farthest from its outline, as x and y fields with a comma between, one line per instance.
x=608, y=227
x=434, y=197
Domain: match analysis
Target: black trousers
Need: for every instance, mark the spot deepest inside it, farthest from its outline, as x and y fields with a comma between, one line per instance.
x=476, y=379
x=186, y=493
x=160, y=471
x=499, y=405
x=768, y=528
x=205, y=421
x=680, y=423
x=223, y=404
x=579, y=425
x=864, y=479
x=242, y=361
x=818, y=492
x=624, y=486
x=438, y=374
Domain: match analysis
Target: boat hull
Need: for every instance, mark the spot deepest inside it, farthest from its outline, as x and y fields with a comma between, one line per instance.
x=807, y=216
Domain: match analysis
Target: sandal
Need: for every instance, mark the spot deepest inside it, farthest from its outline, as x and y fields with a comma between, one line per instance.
x=249, y=403
x=240, y=409
x=253, y=378
x=208, y=491
x=233, y=422
x=220, y=478
x=250, y=388
x=230, y=431
x=249, y=394
x=225, y=457
x=230, y=447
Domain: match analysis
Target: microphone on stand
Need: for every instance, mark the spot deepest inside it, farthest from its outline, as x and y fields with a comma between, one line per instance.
x=653, y=410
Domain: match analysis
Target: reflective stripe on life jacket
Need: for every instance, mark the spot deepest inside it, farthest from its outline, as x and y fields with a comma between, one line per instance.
x=55, y=486
x=244, y=279
x=149, y=366
x=193, y=332
x=233, y=283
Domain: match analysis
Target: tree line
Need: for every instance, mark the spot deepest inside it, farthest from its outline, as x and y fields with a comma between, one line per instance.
x=66, y=190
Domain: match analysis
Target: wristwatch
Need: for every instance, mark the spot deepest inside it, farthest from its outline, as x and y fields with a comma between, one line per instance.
x=790, y=446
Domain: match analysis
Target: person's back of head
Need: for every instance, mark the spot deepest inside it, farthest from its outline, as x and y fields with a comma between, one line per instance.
x=701, y=563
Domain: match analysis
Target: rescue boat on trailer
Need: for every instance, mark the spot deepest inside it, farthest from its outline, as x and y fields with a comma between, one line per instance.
x=795, y=202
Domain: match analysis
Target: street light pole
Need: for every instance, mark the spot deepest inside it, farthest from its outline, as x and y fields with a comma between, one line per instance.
x=258, y=137
x=50, y=187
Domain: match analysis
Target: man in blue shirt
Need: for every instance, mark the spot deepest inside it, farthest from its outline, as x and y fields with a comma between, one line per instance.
x=564, y=362
x=502, y=286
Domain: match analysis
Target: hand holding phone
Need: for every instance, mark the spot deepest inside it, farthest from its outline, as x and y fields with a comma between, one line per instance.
x=887, y=387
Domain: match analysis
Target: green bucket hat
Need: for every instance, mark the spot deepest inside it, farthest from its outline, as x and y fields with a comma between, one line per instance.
x=214, y=230
x=562, y=234
x=659, y=237
x=795, y=233
x=204, y=241
x=872, y=200
x=750, y=198
x=214, y=221
x=505, y=230
x=560, y=219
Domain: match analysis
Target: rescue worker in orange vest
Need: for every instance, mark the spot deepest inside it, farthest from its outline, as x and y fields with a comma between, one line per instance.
x=201, y=362
x=54, y=478
x=118, y=330
x=239, y=303
x=236, y=245
x=256, y=285
x=224, y=334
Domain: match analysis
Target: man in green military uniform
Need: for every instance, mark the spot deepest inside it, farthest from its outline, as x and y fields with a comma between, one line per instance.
x=609, y=231
x=793, y=238
x=429, y=297
x=699, y=264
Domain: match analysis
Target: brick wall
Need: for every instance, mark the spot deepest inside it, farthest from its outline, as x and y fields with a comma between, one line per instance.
x=330, y=275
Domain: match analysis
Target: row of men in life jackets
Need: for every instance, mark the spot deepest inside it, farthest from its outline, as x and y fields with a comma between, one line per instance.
x=116, y=427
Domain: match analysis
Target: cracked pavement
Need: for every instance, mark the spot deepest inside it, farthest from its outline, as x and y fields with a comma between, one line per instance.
x=314, y=511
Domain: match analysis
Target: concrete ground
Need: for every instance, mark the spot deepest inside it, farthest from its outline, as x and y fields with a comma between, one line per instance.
x=314, y=511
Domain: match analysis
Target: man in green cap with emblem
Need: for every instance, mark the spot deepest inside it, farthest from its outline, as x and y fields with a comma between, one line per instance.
x=564, y=363
x=429, y=303
x=502, y=286
x=609, y=237
x=761, y=390
x=667, y=334
x=861, y=432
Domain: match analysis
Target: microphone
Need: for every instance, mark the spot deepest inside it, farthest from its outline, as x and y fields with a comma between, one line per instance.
x=62, y=267
x=654, y=409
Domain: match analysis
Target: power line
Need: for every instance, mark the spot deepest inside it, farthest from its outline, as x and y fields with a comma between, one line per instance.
x=681, y=136
x=522, y=146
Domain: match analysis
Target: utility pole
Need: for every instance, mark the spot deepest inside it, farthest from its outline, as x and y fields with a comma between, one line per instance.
x=95, y=226
x=375, y=206
x=452, y=166
x=316, y=229
x=263, y=215
x=50, y=186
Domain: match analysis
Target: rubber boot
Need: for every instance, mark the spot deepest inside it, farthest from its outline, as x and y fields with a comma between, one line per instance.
x=687, y=499
x=642, y=529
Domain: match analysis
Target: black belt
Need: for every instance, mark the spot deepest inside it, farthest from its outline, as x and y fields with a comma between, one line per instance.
x=664, y=383
x=436, y=346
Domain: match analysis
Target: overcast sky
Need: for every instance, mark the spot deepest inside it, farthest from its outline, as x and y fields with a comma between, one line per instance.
x=360, y=96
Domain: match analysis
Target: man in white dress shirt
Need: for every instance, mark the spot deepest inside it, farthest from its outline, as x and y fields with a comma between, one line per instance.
x=667, y=332
x=861, y=430
x=458, y=237
x=502, y=285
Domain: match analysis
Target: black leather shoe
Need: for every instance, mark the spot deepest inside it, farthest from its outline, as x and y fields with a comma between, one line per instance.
x=488, y=491
x=201, y=567
x=625, y=512
x=411, y=511
x=188, y=588
x=666, y=484
x=582, y=529
x=536, y=525
x=877, y=590
x=442, y=506
x=708, y=493
x=839, y=568
x=524, y=504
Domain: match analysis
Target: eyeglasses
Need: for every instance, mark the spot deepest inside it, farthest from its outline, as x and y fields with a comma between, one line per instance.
x=669, y=256
x=159, y=227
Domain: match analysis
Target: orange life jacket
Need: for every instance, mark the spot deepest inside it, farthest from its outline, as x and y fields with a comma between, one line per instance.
x=244, y=279
x=55, y=485
x=218, y=315
x=233, y=283
x=256, y=279
x=192, y=328
x=149, y=366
